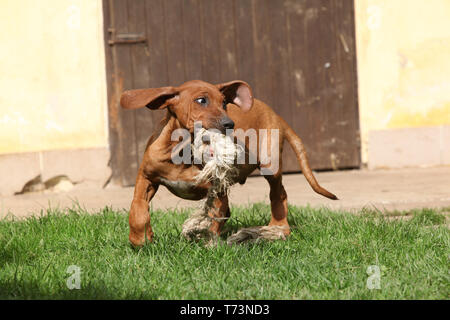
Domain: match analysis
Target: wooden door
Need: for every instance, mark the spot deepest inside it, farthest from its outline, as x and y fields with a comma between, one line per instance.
x=298, y=56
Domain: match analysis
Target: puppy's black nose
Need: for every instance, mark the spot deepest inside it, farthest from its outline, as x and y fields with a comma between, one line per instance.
x=227, y=123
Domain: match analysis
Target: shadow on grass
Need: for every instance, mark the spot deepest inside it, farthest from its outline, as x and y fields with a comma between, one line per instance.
x=23, y=290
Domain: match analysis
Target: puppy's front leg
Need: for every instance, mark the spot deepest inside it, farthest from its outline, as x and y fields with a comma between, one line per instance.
x=139, y=219
x=219, y=213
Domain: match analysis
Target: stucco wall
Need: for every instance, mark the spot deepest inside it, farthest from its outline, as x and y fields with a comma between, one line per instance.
x=52, y=75
x=403, y=53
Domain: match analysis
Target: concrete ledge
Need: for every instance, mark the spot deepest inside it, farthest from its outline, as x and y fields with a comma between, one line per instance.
x=381, y=190
x=87, y=166
x=409, y=147
x=16, y=170
x=82, y=165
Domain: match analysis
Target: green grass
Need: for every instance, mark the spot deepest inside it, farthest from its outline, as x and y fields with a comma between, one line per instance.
x=326, y=257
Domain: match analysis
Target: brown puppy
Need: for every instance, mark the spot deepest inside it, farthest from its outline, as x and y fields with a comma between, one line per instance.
x=223, y=106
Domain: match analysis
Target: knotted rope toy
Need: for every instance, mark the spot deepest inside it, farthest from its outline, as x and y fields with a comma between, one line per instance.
x=218, y=159
x=219, y=167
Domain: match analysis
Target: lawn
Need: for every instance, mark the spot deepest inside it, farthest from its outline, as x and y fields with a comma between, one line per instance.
x=328, y=256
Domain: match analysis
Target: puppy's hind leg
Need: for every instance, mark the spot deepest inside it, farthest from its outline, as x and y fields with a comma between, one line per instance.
x=271, y=168
x=278, y=227
x=278, y=202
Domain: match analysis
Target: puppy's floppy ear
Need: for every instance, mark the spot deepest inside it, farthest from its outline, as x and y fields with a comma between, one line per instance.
x=237, y=92
x=154, y=98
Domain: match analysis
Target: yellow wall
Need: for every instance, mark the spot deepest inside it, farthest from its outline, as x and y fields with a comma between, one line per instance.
x=403, y=53
x=52, y=75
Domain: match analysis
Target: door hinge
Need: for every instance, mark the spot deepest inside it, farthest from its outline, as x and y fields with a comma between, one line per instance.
x=125, y=38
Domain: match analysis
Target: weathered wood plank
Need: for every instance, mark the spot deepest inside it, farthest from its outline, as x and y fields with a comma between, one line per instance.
x=191, y=35
x=244, y=41
x=323, y=82
x=173, y=25
x=128, y=164
x=209, y=34
x=140, y=66
x=227, y=41
x=157, y=62
x=279, y=73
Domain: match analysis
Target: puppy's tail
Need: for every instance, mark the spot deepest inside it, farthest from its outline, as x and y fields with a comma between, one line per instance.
x=297, y=145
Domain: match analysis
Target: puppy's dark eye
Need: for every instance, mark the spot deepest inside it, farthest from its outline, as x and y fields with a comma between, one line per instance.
x=224, y=105
x=203, y=101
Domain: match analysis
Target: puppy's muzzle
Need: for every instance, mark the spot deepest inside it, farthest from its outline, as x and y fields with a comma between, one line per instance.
x=226, y=123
